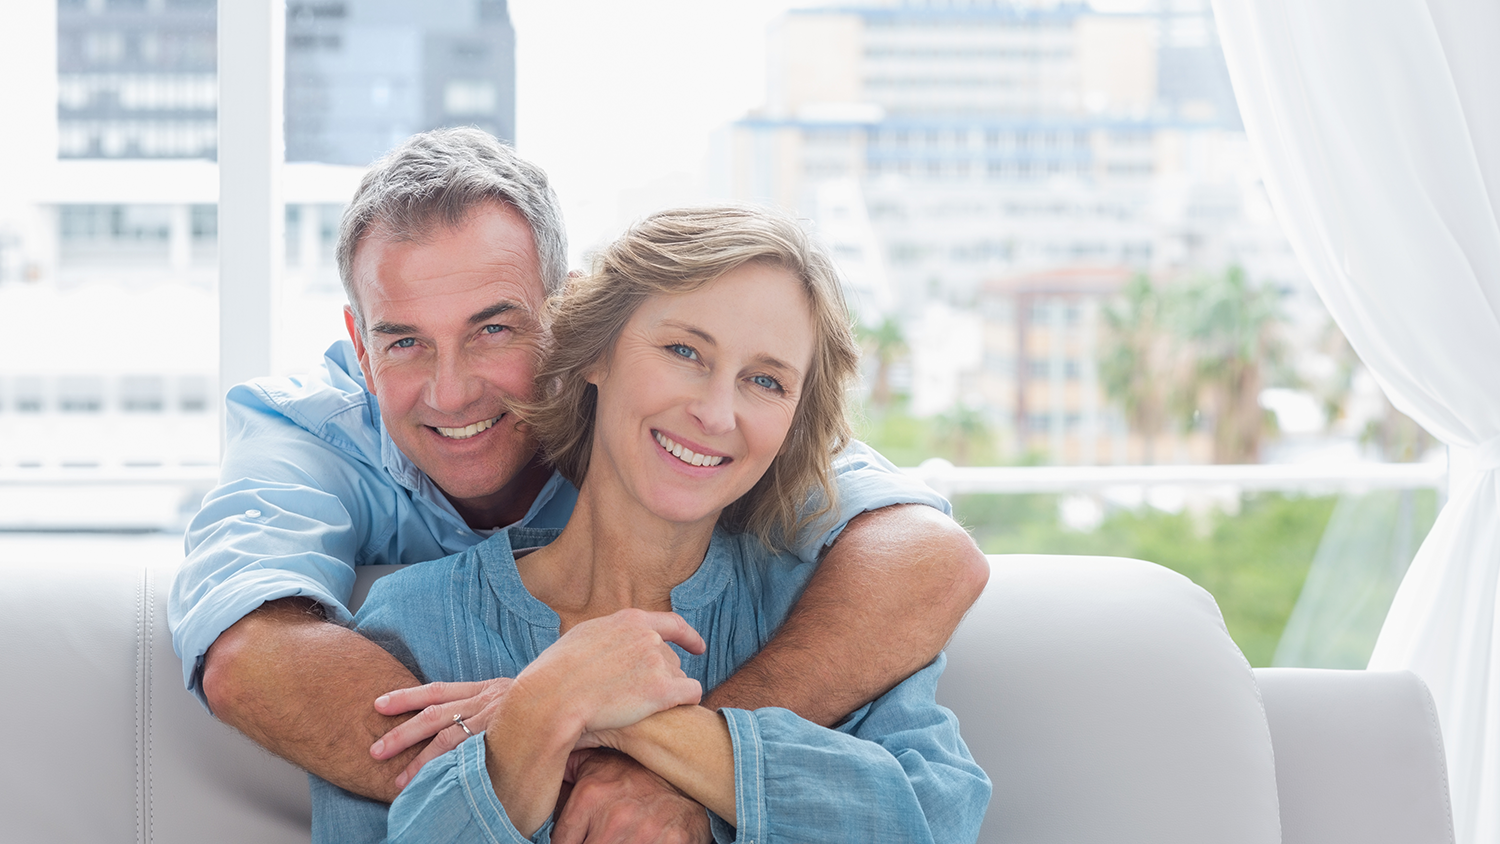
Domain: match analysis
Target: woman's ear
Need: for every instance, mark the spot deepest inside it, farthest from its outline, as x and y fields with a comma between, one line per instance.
x=597, y=373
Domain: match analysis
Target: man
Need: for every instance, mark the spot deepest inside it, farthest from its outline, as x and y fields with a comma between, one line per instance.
x=404, y=449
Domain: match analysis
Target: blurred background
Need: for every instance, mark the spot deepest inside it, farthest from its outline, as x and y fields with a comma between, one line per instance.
x=1080, y=317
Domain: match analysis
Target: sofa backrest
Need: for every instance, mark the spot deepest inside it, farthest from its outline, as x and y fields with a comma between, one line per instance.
x=107, y=744
x=1107, y=702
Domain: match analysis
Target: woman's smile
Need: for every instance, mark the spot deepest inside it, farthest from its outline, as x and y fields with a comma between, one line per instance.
x=683, y=454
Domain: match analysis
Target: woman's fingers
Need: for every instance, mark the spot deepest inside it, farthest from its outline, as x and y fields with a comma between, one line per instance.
x=421, y=697
x=435, y=721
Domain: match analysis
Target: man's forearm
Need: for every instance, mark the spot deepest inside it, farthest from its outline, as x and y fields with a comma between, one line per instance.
x=305, y=689
x=885, y=599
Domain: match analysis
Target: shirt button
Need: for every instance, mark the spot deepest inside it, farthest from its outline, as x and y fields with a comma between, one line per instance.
x=252, y=514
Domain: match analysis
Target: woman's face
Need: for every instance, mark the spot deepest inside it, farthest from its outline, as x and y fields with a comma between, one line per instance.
x=699, y=392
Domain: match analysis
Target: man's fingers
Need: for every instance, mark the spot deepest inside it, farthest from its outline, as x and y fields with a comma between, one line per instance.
x=421, y=697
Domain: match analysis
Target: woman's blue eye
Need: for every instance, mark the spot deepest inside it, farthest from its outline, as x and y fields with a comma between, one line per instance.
x=766, y=381
x=683, y=351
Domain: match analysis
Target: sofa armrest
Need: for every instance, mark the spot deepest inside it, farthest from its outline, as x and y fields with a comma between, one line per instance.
x=1359, y=756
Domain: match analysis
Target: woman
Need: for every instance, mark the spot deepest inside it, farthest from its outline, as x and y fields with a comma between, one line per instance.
x=694, y=394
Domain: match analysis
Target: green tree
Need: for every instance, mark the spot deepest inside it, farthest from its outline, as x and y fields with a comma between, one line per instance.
x=885, y=343
x=1136, y=360
x=1232, y=332
x=963, y=434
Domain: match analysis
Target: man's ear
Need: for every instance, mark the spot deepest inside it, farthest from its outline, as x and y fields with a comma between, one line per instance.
x=358, y=339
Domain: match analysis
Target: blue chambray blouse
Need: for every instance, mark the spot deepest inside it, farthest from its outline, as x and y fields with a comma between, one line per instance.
x=895, y=770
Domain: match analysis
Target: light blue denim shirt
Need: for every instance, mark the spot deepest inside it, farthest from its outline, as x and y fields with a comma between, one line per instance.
x=311, y=486
x=896, y=770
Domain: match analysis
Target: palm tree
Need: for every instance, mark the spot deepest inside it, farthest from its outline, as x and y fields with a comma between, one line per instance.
x=1231, y=328
x=961, y=430
x=885, y=343
x=1136, y=359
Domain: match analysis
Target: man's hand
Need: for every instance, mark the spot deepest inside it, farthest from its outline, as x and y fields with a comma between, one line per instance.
x=438, y=702
x=616, y=801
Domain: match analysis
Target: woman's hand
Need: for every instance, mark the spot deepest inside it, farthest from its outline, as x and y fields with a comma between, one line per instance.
x=604, y=673
x=613, y=671
x=439, y=702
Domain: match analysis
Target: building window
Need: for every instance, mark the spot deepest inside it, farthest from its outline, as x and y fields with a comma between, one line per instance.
x=80, y=394
x=469, y=96
x=142, y=393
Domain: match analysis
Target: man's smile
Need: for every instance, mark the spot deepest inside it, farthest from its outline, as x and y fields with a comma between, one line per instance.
x=469, y=430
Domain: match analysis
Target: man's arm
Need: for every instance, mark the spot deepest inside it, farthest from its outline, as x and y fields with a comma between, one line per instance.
x=884, y=600
x=303, y=688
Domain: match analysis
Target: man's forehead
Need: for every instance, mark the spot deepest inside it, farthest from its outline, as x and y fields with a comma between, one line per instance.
x=491, y=246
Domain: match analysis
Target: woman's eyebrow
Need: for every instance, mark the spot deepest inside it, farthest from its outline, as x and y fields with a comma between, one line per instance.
x=691, y=329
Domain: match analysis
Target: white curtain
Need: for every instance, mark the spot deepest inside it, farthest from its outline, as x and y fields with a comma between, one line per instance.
x=1377, y=128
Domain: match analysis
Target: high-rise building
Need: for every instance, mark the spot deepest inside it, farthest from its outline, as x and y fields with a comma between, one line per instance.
x=985, y=155
x=136, y=78
x=108, y=219
x=363, y=74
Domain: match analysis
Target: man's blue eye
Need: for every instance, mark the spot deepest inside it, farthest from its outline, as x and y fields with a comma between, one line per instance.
x=766, y=381
x=684, y=351
x=404, y=343
x=494, y=329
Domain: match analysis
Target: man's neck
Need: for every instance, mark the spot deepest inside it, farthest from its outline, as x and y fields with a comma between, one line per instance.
x=508, y=505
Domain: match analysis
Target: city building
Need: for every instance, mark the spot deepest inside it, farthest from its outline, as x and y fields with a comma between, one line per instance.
x=109, y=213
x=947, y=151
x=136, y=78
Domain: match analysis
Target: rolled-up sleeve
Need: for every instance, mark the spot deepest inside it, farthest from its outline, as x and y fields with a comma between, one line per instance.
x=896, y=771
x=866, y=481
x=281, y=527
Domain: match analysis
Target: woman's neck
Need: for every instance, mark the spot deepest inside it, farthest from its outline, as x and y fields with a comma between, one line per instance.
x=612, y=556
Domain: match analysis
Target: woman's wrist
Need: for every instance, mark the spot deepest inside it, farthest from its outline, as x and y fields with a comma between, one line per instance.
x=526, y=753
x=690, y=747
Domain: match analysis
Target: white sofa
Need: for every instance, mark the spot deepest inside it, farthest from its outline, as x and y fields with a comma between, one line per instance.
x=1102, y=695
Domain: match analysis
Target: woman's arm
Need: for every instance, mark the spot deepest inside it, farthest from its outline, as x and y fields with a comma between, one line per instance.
x=602, y=674
x=688, y=746
x=896, y=771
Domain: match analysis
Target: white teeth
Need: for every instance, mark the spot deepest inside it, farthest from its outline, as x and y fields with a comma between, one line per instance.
x=469, y=431
x=684, y=454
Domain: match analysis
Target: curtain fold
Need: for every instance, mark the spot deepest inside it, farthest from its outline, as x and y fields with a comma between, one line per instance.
x=1377, y=129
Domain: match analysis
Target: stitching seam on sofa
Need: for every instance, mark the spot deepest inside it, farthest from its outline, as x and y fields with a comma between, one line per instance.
x=142, y=628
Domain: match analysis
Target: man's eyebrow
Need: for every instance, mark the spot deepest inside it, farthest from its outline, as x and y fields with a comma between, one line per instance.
x=392, y=328
x=493, y=311
x=478, y=318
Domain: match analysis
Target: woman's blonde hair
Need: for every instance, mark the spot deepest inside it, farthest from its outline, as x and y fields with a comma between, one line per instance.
x=678, y=251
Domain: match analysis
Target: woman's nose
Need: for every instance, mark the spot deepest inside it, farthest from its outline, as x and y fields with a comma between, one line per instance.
x=713, y=406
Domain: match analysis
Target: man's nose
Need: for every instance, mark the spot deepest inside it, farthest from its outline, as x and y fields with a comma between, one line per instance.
x=453, y=386
x=713, y=405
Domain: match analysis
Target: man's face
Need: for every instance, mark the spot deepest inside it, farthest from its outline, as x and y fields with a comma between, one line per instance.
x=453, y=326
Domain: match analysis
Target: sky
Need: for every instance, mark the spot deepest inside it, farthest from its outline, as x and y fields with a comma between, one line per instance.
x=618, y=101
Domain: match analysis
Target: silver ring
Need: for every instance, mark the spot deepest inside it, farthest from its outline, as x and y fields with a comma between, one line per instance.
x=459, y=720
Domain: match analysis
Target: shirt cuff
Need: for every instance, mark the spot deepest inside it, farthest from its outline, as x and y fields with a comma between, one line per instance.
x=233, y=600
x=749, y=782
x=452, y=798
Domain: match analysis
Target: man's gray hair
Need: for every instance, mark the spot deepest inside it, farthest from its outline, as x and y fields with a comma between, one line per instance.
x=435, y=180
